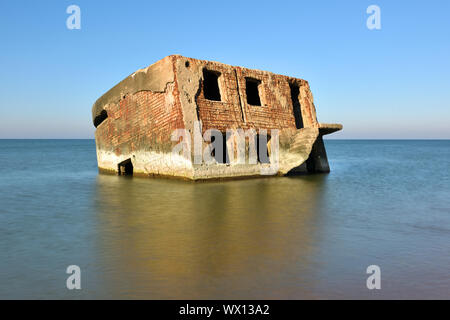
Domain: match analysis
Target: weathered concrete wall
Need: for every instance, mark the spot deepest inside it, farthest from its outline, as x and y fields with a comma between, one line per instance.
x=233, y=111
x=145, y=108
x=153, y=78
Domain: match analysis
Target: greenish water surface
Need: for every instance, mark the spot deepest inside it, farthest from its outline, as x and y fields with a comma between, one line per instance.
x=385, y=203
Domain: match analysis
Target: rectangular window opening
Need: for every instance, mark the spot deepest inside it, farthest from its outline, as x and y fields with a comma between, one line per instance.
x=295, y=91
x=211, y=89
x=252, y=91
x=221, y=157
x=261, y=148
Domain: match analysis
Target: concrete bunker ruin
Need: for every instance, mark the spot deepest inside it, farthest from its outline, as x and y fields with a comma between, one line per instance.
x=135, y=120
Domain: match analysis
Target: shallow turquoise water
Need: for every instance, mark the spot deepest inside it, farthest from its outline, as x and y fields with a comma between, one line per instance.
x=385, y=203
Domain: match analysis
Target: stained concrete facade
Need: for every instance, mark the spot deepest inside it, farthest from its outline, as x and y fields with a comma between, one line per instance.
x=136, y=118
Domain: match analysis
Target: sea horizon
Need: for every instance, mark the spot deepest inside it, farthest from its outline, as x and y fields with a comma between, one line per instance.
x=325, y=139
x=225, y=153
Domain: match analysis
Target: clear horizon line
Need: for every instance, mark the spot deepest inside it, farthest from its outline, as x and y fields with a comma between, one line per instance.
x=324, y=139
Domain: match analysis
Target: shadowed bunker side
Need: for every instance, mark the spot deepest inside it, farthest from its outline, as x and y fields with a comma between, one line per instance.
x=136, y=118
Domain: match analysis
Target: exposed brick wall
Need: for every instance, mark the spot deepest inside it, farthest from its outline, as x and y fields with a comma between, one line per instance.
x=141, y=121
x=222, y=114
x=233, y=111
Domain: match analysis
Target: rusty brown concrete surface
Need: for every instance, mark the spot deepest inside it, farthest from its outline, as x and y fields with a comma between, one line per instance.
x=135, y=119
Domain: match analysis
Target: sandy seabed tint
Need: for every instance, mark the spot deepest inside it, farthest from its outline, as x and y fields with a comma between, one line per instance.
x=385, y=203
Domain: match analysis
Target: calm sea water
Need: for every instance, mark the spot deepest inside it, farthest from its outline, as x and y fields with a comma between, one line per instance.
x=385, y=203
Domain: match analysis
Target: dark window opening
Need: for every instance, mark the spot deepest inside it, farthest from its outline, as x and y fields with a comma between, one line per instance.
x=251, y=89
x=100, y=118
x=126, y=168
x=221, y=157
x=262, y=151
x=211, y=89
x=295, y=91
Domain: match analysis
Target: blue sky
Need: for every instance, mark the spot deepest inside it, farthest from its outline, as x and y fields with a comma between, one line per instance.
x=388, y=83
